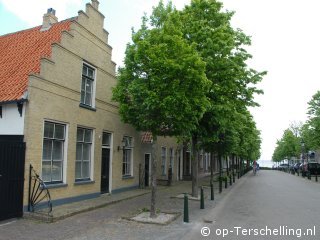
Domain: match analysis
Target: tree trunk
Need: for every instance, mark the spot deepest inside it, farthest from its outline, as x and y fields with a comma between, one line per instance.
x=227, y=162
x=220, y=172
x=211, y=168
x=153, y=177
x=194, y=160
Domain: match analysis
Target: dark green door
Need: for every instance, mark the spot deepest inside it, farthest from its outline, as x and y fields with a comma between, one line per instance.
x=105, y=170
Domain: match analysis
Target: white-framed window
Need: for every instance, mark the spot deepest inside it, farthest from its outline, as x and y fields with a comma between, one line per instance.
x=206, y=161
x=171, y=155
x=88, y=85
x=163, y=160
x=106, y=139
x=53, y=152
x=83, y=154
x=127, y=163
x=201, y=160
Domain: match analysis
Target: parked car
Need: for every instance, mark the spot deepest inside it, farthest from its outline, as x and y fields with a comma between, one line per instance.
x=312, y=167
x=283, y=166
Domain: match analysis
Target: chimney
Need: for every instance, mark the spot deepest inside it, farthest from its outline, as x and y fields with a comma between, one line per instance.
x=48, y=19
x=95, y=4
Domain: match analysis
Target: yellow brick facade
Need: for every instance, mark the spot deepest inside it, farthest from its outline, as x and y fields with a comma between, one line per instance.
x=54, y=95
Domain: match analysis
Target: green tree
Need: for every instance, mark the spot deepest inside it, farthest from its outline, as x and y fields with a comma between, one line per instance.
x=287, y=147
x=313, y=123
x=162, y=86
x=222, y=47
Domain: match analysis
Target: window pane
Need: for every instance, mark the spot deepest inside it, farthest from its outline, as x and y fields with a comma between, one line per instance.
x=80, y=133
x=83, y=84
x=79, y=151
x=88, y=99
x=46, y=171
x=56, y=171
x=48, y=130
x=85, y=169
x=123, y=168
x=88, y=136
x=90, y=72
x=47, y=147
x=57, y=153
x=83, y=94
x=78, y=170
x=59, y=131
x=86, y=152
x=106, y=139
x=84, y=70
x=89, y=86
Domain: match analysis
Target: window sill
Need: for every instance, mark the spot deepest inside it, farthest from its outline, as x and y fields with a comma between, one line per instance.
x=55, y=185
x=84, y=182
x=127, y=177
x=87, y=107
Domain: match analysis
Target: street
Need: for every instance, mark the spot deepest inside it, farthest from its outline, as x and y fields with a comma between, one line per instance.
x=271, y=203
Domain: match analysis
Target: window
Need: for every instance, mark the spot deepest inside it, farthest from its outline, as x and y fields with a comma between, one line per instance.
x=171, y=158
x=106, y=139
x=201, y=160
x=83, y=153
x=127, y=157
x=87, y=85
x=163, y=160
x=53, y=152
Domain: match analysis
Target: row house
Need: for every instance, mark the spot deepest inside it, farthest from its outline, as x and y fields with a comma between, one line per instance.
x=56, y=84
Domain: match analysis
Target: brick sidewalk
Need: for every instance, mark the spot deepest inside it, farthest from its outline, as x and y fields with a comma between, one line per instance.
x=67, y=210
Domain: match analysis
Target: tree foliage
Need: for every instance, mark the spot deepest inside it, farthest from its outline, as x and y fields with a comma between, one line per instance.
x=162, y=87
x=288, y=146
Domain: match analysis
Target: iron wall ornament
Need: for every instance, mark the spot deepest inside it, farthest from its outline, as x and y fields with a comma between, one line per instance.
x=39, y=195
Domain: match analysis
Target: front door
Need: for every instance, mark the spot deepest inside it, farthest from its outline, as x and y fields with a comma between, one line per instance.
x=146, y=169
x=105, y=170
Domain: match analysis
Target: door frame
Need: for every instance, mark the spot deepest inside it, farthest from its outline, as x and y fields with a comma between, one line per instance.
x=110, y=160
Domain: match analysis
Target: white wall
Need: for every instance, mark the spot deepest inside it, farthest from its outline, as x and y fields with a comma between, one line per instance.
x=11, y=123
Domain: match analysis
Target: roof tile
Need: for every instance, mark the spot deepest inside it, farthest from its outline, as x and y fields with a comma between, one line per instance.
x=20, y=55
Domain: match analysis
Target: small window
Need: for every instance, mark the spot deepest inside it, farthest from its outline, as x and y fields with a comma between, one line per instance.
x=87, y=85
x=127, y=164
x=106, y=139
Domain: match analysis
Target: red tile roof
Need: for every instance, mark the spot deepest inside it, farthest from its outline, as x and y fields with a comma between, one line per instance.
x=146, y=137
x=20, y=55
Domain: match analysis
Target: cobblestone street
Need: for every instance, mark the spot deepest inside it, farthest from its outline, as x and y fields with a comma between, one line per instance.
x=109, y=223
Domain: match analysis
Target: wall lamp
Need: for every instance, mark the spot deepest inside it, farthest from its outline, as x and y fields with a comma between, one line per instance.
x=123, y=144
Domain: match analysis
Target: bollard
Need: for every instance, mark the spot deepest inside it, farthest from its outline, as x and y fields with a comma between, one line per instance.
x=230, y=180
x=309, y=175
x=212, y=193
x=238, y=174
x=226, y=182
x=234, y=177
x=201, y=198
x=298, y=173
x=186, y=209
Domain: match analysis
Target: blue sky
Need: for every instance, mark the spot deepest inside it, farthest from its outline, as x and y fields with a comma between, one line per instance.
x=285, y=42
